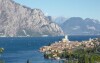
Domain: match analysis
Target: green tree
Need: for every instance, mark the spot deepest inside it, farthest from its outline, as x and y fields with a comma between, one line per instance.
x=86, y=58
x=1, y=61
x=1, y=50
x=91, y=59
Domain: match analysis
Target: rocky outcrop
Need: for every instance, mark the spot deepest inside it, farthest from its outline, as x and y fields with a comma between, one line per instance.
x=17, y=20
x=57, y=20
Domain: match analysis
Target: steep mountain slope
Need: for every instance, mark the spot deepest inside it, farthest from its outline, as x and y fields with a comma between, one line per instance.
x=60, y=20
x=78, y=26
x=17, y=20
x=57, y=20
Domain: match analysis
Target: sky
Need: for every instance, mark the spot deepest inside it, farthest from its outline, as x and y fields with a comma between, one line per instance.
x=66, y=8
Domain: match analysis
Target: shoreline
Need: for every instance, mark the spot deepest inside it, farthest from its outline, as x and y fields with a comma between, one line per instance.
x=58, y=47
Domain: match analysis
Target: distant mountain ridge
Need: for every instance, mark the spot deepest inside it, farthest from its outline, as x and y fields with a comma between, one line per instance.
x=17, y=20
x=57, y=20
x=79, y=26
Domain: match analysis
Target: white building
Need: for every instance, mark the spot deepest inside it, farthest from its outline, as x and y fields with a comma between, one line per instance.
x=65, y=39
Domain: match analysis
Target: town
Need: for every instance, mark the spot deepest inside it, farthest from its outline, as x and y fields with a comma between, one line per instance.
x=57, y=50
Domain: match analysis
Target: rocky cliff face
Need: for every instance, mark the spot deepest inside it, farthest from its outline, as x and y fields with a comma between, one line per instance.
x=57, y=20
x=17, y=20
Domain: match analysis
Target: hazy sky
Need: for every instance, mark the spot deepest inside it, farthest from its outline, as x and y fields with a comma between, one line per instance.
x=66, y=8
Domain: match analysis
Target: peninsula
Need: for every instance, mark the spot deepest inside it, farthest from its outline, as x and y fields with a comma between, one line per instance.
x=78, y=52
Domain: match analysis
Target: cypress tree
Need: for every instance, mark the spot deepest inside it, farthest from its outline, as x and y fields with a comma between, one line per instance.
x=86, y=58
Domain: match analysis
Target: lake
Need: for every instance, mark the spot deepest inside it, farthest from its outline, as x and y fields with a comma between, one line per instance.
x=19, y=50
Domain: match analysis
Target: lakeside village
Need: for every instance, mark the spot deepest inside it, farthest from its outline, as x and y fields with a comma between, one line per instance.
x=73, y=51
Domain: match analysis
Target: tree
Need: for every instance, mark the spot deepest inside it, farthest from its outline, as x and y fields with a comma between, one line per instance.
x=1, y=50
x=91, y=59
x=1, y=61
x=86, y=58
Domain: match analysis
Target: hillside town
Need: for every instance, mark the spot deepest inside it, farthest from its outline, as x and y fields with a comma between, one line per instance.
x=59, y=47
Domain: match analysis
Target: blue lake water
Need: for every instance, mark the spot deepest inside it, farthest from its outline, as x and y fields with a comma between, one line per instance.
x=19, y=50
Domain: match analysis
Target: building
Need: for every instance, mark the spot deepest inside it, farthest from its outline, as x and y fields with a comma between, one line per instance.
x=65, y=39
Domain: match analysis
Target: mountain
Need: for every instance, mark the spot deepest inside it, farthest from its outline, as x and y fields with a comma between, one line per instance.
x=57, y=20
x=79, y=26
x=17, y=20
